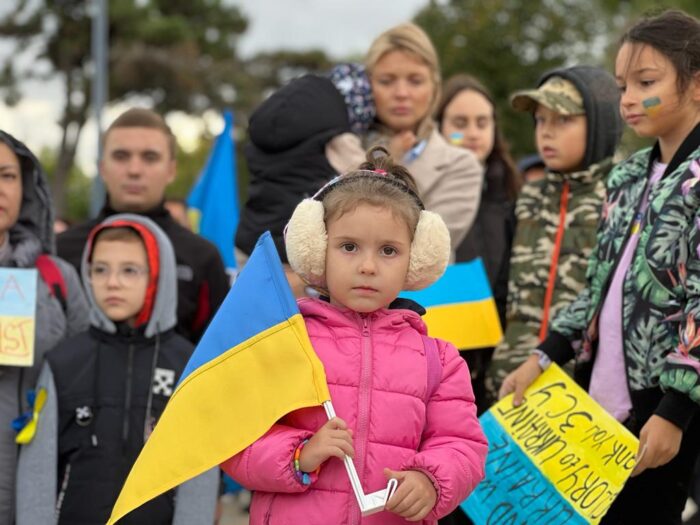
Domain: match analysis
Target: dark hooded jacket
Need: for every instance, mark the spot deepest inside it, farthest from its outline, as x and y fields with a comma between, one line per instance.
x=106, y=388
x=31, y=236
x=490, y=238
x=286, y=155
x=491, y=235
x=601, y=98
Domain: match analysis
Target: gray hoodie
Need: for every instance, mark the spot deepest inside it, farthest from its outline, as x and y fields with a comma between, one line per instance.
x=31, y=236
x=195, y=500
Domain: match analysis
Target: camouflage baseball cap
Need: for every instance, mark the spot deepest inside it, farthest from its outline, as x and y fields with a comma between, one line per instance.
x=557, y=94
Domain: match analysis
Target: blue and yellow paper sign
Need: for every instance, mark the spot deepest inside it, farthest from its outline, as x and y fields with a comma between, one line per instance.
x=460, y=307
x=17, y=316
x=558, y=458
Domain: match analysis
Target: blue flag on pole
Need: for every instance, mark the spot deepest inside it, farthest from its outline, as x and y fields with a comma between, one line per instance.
x=213, y=201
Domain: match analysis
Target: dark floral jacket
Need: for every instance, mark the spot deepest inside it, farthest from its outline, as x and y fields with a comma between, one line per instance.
x=661, y=291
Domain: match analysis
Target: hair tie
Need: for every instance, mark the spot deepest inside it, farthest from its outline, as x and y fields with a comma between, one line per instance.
x=380, y=172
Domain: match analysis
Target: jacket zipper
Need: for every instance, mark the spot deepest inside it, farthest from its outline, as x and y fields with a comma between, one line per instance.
x=62, y=493
x=127, y=397
x=551, y=281
x=363, y=409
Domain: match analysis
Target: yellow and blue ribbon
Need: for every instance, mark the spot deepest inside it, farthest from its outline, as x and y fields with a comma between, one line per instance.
x=26, y=424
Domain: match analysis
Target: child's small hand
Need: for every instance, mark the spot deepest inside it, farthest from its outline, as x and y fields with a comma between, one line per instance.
x=659, y=442
x=519, y=379
x=400, y=143
x=332, y=439
x=414, y=498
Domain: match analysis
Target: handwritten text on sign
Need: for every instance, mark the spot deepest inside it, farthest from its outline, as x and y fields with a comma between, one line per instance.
x=560, y=446
x=17, y=316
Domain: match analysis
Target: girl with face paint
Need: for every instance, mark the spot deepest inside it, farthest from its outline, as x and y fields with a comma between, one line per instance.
x=633, y=329
x=467, y=118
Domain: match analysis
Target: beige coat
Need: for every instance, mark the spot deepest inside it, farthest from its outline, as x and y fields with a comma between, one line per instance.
x=449, y=178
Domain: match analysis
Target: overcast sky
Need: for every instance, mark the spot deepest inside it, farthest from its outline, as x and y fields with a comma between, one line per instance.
x=340, y=27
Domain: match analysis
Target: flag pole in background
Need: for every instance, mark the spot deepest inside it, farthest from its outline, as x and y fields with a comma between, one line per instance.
x=213, y=201
x=253, y=365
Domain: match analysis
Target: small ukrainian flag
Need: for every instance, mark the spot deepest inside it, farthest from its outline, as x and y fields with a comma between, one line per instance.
x=460, y=307
x=254, y=364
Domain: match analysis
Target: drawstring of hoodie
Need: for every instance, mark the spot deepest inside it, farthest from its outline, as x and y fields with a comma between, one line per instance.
x=95, y=394
x=147, y=426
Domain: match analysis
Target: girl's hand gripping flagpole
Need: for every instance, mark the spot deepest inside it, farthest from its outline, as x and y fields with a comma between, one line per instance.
x=369, y=503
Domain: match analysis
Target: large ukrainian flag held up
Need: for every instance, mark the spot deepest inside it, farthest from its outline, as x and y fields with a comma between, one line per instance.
x=254, y=364
x=460, y=307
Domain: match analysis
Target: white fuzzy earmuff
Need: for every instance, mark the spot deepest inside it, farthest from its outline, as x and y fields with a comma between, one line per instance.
x=430, y=251
x=306, y=241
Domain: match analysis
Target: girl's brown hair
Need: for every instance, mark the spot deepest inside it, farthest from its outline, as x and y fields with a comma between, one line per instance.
x=501, y=151
x=674, y=34
x=377, y=182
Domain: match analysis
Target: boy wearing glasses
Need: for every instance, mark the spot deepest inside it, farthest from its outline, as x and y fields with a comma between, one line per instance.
x=105, y=388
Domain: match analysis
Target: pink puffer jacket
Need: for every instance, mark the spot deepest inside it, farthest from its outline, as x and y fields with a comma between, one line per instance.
x=377, y=375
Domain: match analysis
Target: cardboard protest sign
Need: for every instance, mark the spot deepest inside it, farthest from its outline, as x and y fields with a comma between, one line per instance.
x=558, y=458
x=17, y=316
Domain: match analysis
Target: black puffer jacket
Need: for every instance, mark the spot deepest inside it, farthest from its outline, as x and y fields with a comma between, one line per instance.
x=286, y=155
x=95, y=374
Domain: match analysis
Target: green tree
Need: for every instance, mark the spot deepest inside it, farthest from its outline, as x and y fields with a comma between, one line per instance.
x=267, y=71
x=181, y=54
x=77, y=187
x=191, y=163
x=509, y=44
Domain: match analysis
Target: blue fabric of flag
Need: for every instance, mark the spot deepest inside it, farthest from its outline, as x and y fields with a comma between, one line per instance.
x=215, y=195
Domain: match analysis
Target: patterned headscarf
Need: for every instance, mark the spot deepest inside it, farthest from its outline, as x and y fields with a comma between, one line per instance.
x=351, y=81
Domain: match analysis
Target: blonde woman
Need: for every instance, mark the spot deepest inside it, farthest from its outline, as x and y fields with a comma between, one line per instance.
x=404, y=73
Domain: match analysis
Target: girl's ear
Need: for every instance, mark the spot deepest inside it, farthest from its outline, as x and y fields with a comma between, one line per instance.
x=695, y=87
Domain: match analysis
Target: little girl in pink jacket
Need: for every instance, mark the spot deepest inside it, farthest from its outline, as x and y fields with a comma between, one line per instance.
x=360, y=240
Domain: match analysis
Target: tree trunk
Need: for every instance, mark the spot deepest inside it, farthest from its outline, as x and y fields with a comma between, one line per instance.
x=71, y=126
x=66, y=157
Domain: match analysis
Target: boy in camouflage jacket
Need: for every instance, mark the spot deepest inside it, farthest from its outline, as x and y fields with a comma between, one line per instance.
x=577, y=128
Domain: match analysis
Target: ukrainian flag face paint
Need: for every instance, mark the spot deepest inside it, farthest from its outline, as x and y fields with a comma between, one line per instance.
x=456, y=138
x=651, y=105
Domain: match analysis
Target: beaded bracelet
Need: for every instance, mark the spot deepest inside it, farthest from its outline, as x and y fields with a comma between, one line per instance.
x=306, y=478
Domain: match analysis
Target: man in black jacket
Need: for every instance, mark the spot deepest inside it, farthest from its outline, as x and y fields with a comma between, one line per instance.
x=137, y=165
